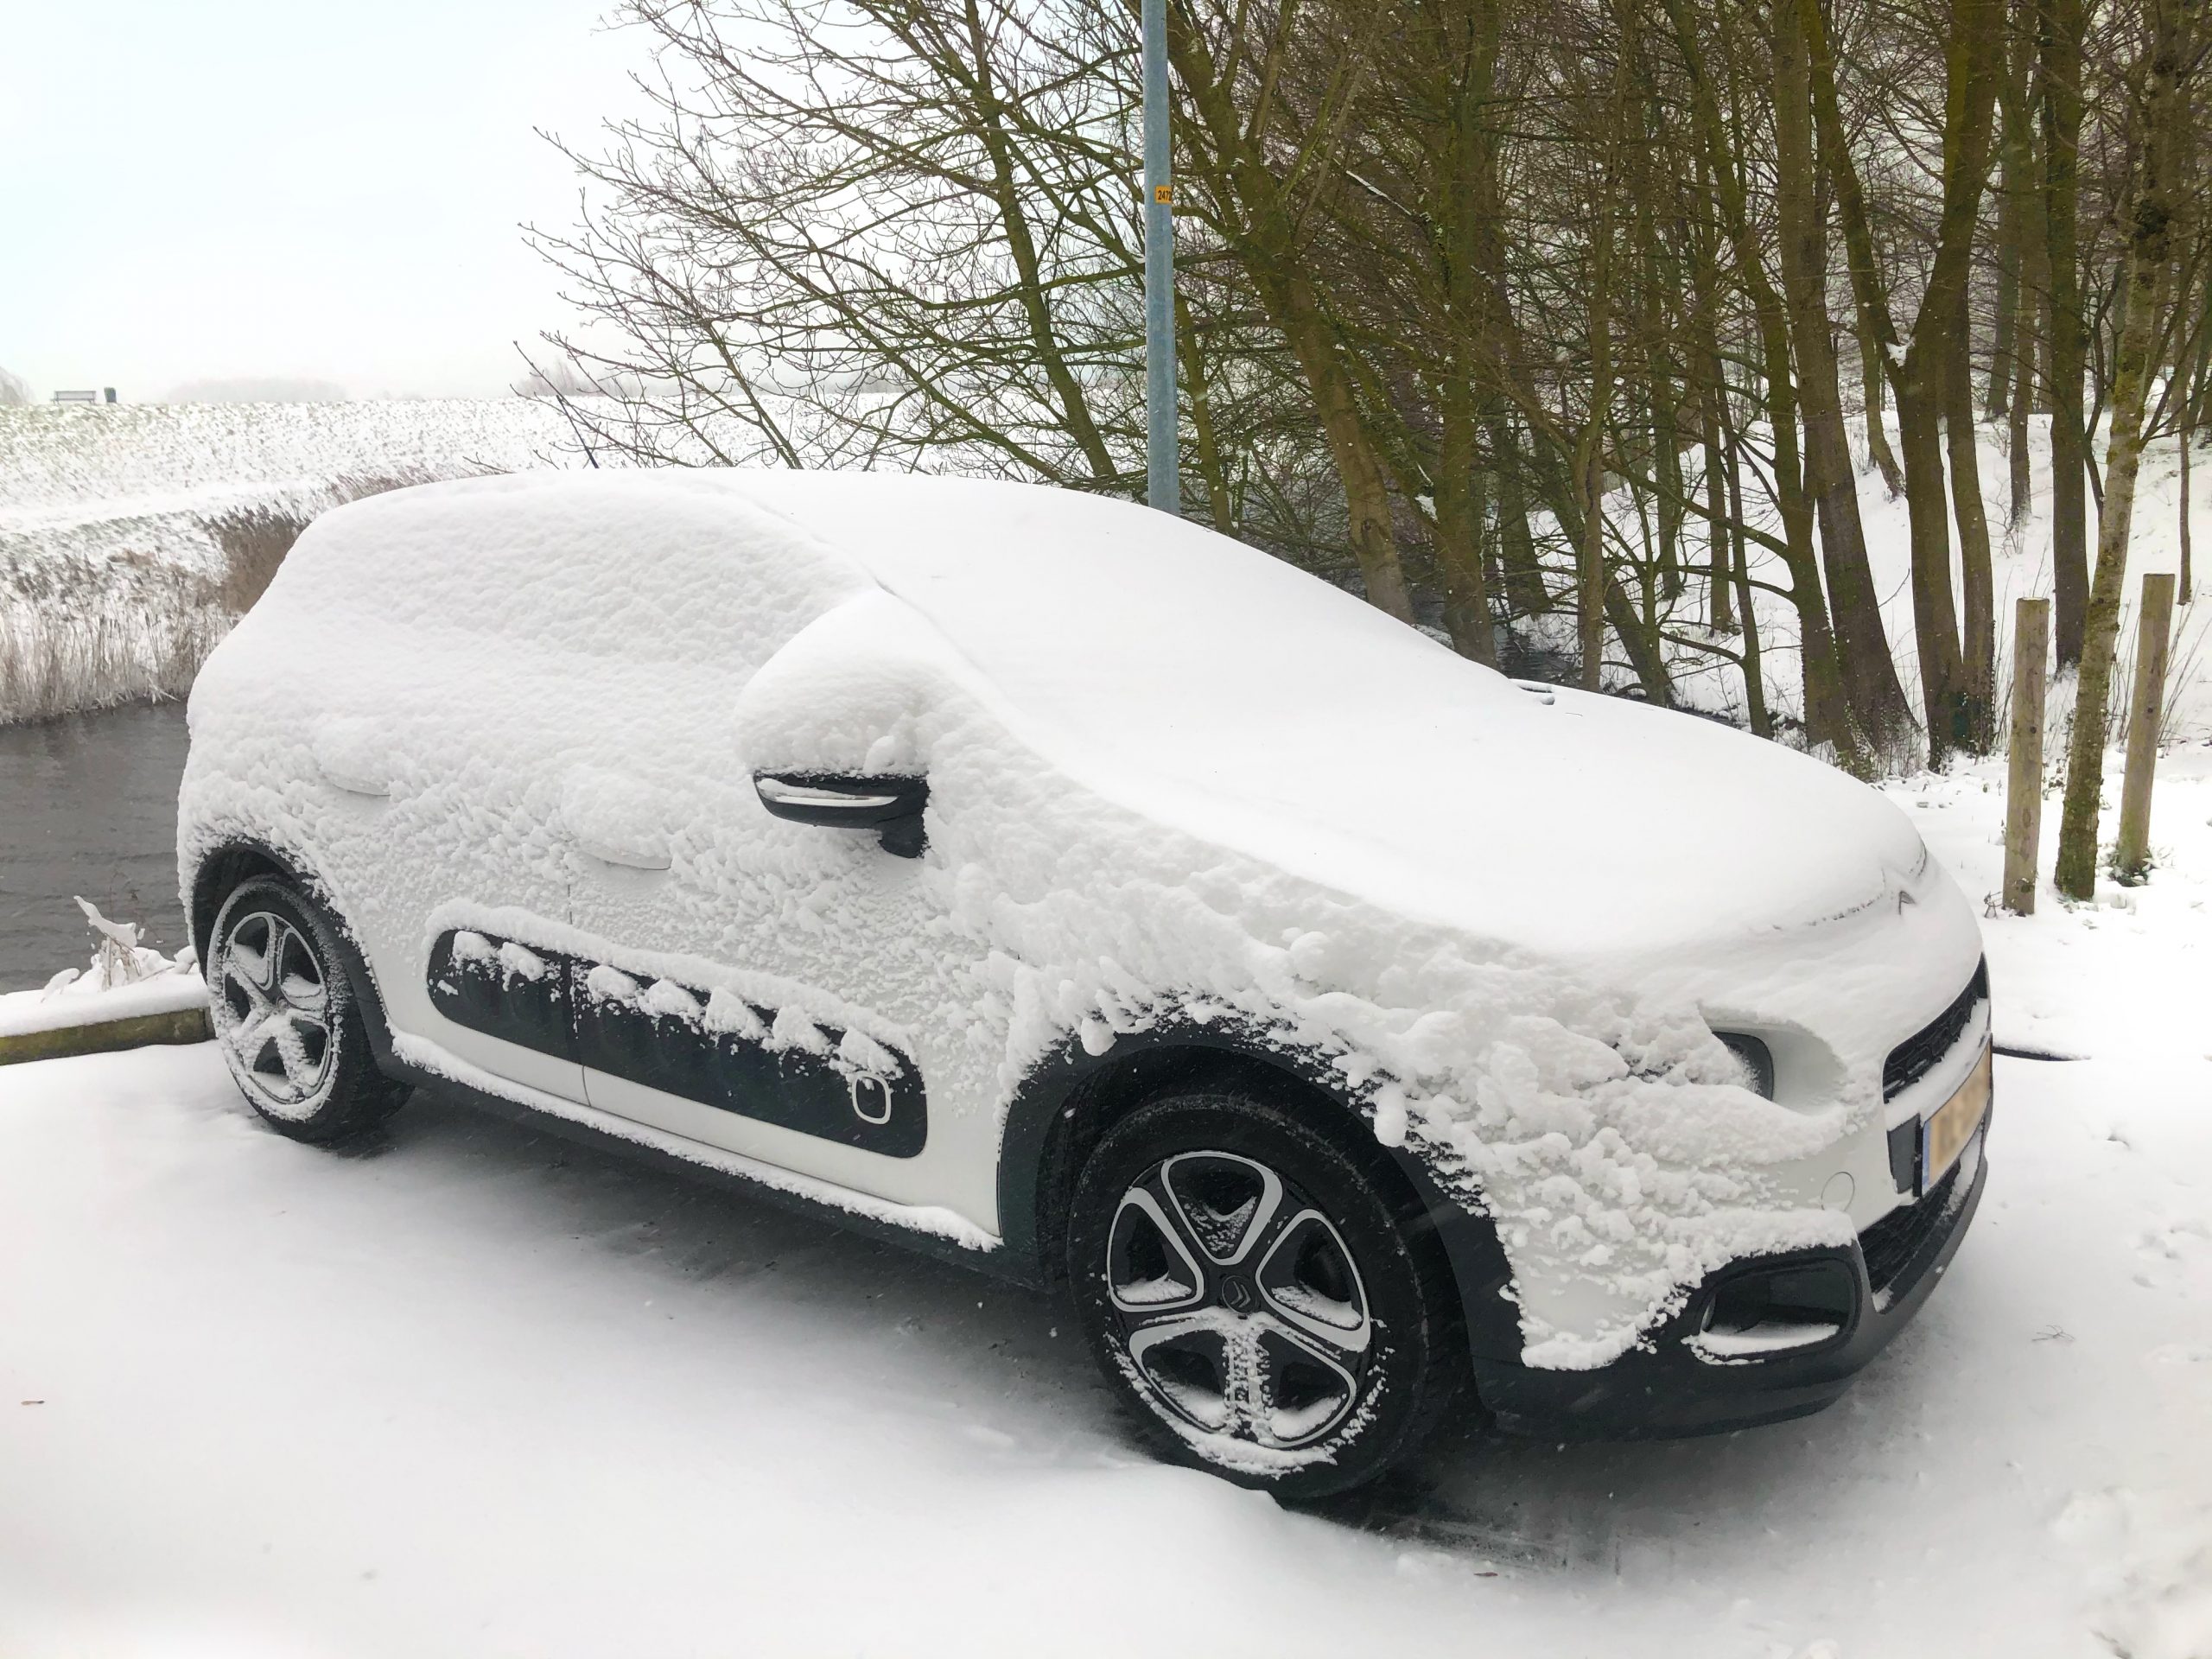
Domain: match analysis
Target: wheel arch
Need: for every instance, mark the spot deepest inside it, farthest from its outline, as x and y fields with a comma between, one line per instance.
x=1074, y=1097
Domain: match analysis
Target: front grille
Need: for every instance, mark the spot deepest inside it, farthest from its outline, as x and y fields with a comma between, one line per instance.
x=1892, y=1244
x=1919, y=1054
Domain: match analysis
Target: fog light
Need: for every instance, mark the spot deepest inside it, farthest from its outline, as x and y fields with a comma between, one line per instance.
x=1776, y=1310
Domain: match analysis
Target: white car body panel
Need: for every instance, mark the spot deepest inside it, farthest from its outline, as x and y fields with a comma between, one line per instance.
x=1170, y=780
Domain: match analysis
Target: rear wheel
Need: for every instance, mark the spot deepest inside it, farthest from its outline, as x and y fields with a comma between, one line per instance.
x=286, y=1020
x=1256, y=1293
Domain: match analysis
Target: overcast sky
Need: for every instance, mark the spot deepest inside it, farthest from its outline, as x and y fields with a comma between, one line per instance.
x=228, y=189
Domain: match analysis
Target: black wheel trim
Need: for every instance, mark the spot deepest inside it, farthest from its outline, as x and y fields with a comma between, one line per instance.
x=1237, y=1305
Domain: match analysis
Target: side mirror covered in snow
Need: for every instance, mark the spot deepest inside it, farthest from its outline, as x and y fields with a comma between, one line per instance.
x=892, y=806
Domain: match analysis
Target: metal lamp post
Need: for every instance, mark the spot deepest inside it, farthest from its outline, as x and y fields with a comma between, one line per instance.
x=1163, y=475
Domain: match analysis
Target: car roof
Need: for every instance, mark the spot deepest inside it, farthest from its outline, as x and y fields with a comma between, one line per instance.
x=1208, y=687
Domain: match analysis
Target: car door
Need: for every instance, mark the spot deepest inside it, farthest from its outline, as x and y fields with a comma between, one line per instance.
x=782, y=990
x=445, y=845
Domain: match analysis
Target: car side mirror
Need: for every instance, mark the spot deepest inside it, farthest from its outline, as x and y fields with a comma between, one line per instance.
x=890, y=806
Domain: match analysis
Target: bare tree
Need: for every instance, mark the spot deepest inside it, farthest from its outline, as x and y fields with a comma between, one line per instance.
x=1523, y=317
x=2172, y=56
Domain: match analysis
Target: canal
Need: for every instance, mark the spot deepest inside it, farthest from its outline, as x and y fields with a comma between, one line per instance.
x=87, y=805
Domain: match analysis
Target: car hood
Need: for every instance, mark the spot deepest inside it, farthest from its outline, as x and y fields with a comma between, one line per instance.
x=1555, y=821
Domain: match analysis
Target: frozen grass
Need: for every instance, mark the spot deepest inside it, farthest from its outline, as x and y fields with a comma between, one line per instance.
x=93, y=633
x=57, y=665
x=132, y=536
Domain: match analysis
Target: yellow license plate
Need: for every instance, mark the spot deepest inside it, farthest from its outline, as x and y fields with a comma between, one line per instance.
x=1944, y=1134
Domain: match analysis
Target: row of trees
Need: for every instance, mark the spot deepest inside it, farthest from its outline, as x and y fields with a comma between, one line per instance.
x=1555, y=323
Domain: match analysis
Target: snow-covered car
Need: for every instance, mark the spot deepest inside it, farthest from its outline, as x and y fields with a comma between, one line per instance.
x=1358, y=1037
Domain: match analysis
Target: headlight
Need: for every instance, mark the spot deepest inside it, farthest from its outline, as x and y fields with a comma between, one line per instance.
x=1758, y=1058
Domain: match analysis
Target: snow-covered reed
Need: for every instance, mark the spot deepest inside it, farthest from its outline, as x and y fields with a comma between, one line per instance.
x=56, y=665
x=132, y=536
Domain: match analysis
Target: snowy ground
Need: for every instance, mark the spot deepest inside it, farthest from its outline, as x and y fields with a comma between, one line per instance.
x=476, y=1393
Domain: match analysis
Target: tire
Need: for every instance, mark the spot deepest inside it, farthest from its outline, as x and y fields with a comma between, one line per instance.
x=1259, y=1298
x=286, y=1020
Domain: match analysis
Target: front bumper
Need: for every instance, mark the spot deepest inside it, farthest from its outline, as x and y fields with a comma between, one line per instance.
x=1664, y=1387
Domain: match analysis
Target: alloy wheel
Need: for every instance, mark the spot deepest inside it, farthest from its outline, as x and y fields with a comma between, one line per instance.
x=273, y=1012
x=1241, y=1310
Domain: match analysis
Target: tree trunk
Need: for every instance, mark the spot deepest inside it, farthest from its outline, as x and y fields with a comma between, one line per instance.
x=1828, y=712
x=1877, y=333
x=1213, y=473
x=1873, y=395
x=1367, y=494
x=1755, y=710
x=1925, y=381
x=1265, y=232
x=1459, y=163
x=2020, y=478
x=2150, y=218
x=1590, y=459
x=1459, y=524
x=1935, y=620
x=2030, y=368
x=1524, y=574
x=2188, y=437
x=1869, y=674
x=1977, y=581
x=1665, y=402
x=2059, y=24
x=2013, y=158
x=1719, y=573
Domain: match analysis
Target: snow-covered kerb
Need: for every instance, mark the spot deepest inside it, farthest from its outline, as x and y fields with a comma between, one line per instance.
x=1171, y=780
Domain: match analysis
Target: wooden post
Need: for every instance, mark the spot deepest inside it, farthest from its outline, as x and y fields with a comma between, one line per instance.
x=2024, y=778
x=2187, y=594
x=2154, y=627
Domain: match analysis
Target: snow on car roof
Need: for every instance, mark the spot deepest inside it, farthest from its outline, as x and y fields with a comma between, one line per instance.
x=1206, y=684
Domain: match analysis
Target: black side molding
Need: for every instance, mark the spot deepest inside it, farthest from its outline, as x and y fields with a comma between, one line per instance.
x=710, y=1047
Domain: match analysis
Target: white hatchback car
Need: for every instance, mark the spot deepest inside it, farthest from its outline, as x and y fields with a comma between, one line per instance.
x=1349, y=1030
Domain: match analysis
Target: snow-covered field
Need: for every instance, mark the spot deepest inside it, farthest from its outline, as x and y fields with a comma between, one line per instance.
x=475, y=1393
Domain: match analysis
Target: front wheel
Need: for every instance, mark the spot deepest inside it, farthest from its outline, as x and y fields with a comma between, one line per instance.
x=1258, y=1293
x=286, y=1020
